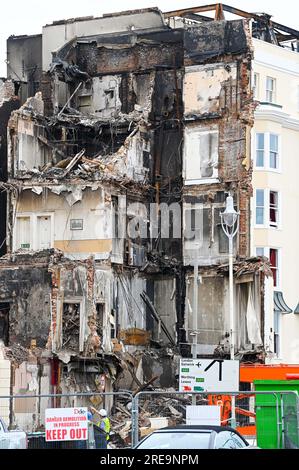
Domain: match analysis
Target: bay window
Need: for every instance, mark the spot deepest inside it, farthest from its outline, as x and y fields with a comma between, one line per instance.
x=267, y=155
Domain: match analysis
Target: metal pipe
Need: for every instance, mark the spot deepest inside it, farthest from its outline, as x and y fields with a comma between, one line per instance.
x=231, y=300
x=232, y=322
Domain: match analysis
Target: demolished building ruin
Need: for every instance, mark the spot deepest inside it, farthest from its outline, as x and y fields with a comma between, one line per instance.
x=121, y=120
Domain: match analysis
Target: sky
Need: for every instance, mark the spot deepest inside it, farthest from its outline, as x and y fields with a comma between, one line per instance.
x=28, y=16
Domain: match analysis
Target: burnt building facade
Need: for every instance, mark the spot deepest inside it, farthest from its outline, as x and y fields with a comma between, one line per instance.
x=125, y=122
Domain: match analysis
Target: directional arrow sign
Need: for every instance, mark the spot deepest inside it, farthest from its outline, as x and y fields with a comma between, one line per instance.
x=219, y=361
x=209, y=375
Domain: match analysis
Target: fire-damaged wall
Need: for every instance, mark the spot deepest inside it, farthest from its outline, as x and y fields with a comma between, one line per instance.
x=123, y=121
x=218, y=115
x=8, y=102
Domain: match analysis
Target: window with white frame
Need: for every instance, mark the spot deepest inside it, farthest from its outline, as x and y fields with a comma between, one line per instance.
x=33, y=231
x=273, y=254
x=260, y=150
x=273, y=208
x=267, y=151
x=274, y=261
x=273, y=151
x=270, y=89
x=267, y=208
x=255, y=85
x=260, y=207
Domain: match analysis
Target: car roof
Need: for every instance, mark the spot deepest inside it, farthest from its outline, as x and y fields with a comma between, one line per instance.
x=200, y=427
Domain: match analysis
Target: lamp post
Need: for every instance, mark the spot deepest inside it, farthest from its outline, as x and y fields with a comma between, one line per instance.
x=230, y=226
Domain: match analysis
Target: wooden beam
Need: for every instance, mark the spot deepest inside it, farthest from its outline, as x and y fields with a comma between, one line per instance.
x=211, y=7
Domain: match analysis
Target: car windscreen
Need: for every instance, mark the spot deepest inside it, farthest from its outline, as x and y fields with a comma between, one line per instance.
x=177, y=440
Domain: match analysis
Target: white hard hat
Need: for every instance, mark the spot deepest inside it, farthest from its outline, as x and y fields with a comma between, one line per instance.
x=103, y=412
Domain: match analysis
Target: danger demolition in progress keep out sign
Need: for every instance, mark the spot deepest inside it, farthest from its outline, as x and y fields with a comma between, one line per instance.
x=66, y=424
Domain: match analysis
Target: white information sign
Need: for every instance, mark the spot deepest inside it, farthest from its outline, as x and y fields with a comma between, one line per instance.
x=203, y=414
x=209, y=375
x=66, y=424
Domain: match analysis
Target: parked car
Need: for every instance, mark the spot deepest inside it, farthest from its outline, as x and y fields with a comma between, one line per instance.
x=194, y=437
x=11, y=439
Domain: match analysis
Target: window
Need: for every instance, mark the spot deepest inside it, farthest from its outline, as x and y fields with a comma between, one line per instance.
x=255, y=86
x=100, y=308
x=273, y=257
x=260, y=207
x=229, y=440
x=260, y=251
x=273, y=208
x=260, y=150
x=71, y=326
x=273, y=254
x=200, y=154
x=208, y=150
x=267, y=208
x=23, y=233
x=112, y=324
x=115, y=221
x=273, y=163
x=33, y=232
x=270, y=89
x=267, y=151
x=194, y=221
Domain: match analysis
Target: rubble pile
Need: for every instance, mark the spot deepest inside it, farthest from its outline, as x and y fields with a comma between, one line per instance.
x=155, y=411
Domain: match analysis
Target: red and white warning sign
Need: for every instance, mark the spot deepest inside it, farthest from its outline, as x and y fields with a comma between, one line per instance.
x=66, y=424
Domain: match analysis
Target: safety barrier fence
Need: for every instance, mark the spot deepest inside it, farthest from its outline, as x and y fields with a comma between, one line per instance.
x=27, y=413
x=268, y=419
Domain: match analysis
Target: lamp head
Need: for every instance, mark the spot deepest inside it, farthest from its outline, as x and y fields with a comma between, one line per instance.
x=230, y=215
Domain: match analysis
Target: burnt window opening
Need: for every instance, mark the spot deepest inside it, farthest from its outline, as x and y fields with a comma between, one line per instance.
x=113, y=332
x=100, y=309
x=71, y=326
x=4, y=323
x=115, y=217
